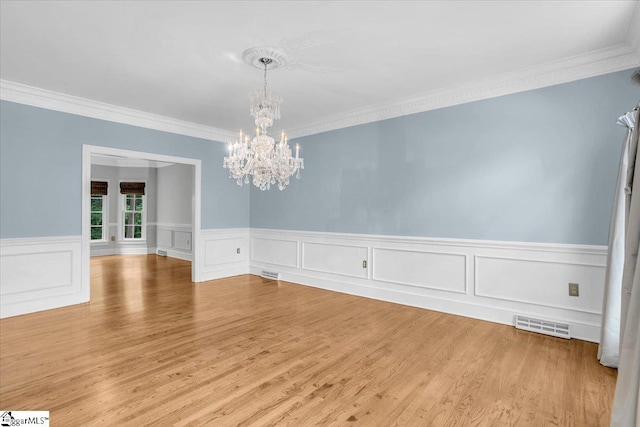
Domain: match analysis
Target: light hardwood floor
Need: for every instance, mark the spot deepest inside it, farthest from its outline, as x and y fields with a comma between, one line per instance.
x=154, y=349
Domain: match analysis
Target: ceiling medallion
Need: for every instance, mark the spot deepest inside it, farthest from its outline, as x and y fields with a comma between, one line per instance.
x=268, y=162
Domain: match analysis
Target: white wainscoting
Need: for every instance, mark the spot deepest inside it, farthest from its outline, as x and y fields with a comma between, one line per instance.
x=40, y=274
x=486, y=280
x=224, y=253
x=175, y=239
x=480, y=279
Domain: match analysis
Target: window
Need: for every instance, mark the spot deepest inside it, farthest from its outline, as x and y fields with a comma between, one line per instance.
x=133, y=219
x=98, y=221
x=133, y=210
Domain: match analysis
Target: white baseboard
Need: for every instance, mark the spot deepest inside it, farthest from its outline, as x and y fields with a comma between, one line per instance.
x=488, y=280
x=123, y=251
x=172, y=253
x=581, y=330
x=103, y=252
x=40, y=274
x=222, y=273
x=143, y=250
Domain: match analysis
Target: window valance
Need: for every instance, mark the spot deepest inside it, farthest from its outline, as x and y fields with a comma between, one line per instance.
x=136, y=188
x=99, y=188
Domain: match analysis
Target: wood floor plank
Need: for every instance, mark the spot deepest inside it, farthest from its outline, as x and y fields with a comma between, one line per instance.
x=152, y=348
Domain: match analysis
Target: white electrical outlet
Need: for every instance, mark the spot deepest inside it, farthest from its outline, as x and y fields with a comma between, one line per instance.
x=574, y=289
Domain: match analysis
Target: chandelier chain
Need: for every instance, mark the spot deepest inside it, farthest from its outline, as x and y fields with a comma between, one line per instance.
x=266, y=62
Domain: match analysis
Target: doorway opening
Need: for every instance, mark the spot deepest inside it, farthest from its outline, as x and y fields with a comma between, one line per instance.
x=136, y=224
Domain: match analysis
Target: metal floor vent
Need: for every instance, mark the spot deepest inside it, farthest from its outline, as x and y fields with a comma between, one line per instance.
x=272, y=275
x=547, y=327
x=161, y=252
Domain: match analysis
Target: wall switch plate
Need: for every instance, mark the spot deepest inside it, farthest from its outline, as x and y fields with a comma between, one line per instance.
x=574, y=289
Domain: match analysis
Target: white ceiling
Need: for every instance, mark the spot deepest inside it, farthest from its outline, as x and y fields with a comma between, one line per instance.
x=350, y=62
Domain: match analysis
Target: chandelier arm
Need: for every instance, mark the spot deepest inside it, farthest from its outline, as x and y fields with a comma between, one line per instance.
x=247, y=167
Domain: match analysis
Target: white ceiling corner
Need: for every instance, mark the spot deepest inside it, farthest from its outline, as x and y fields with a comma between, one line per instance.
x=177, y=67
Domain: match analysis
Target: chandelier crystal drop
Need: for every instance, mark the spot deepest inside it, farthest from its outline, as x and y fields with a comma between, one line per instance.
x=268, y=162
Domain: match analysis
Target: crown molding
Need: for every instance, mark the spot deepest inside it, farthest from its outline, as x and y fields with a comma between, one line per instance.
x=609, y=60
x=42, y=98
x=579, y=67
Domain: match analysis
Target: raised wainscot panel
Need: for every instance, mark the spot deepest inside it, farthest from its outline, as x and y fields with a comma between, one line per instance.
x=540, y=282
x=432, y=270
x=35, y=272
x=182, y=240
x=273, y=251
x=38, y=270
x=337, y=259
x=224, y=251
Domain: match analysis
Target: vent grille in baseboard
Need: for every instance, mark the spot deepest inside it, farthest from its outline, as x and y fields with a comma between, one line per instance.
x=161, y=252
x=272, y=275
x=547, y=327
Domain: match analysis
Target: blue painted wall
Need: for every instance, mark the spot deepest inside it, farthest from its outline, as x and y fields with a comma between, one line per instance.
x=537, y=166
x=41, y=170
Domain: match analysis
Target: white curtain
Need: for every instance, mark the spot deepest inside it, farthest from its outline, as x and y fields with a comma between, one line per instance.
x=626, y=401
x=609, y=349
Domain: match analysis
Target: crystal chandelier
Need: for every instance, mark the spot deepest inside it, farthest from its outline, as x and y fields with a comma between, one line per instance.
x=266, y=160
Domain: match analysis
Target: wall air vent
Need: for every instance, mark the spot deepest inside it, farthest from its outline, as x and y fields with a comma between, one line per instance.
x=161, y=252
x=542, y=326
x=271, y=275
